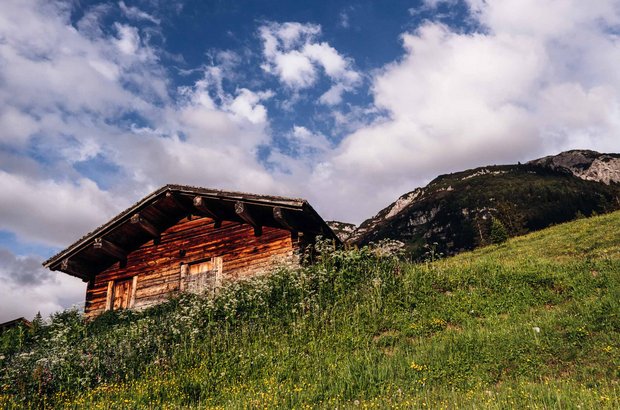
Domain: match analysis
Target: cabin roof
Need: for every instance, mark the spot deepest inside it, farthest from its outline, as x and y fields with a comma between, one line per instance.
x=15, y=323
x=144, y=220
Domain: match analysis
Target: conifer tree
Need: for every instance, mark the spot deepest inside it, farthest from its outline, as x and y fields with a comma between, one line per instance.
x=499, y=234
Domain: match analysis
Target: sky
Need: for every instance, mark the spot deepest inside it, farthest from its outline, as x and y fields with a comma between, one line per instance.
x=348, y=104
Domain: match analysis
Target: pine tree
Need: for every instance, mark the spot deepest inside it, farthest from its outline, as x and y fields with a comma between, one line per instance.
x=37, y=323
x=499, y=234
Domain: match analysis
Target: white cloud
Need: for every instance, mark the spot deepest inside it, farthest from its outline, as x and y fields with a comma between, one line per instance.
x=68, y=90
x=16, y=127
x=137, y=14
x=50, y=212
x=306, y=143
x=541, y=78
x=292, y=53
x=246, y=105
x=295, y=69
x=333, y=96
x=128, y=39
x=27, y=288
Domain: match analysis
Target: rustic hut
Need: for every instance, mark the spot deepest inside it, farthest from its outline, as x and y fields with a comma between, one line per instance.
x=183, y=238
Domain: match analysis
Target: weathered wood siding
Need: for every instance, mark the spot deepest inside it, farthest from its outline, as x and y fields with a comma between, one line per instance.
x=156, y=269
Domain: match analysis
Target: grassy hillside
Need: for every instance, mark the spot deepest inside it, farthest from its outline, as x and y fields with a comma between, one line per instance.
x=534, y=322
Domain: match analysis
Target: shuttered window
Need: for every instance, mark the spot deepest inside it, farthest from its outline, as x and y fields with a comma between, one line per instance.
x=201, y=276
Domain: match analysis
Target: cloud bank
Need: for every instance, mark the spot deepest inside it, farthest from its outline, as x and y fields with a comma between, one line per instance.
x=536, y=79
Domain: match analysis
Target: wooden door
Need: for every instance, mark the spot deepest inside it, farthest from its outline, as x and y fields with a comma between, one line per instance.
x=121, y=295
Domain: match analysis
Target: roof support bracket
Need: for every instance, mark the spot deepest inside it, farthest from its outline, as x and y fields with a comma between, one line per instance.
x=111, y=249
x=74, y=268
x=280, y=217
x=177, y=202
x=201, y=205
x=244, y=213
x=145, y=225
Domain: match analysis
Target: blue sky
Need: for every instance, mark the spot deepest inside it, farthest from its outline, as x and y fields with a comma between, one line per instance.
x=347, y=104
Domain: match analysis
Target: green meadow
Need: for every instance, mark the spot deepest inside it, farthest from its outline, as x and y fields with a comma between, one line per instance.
x=531, y=323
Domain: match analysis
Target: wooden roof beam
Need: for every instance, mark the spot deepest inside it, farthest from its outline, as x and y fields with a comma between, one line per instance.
x=177, y=202
x=75, y=268
x=244, y=213
x=111, y=249
x=201, y=205
x=145, y=225
x=281, y=218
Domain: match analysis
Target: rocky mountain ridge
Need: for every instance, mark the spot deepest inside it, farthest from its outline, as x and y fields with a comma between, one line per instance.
x=585, y=164
x=456, y=210
x=343, y=230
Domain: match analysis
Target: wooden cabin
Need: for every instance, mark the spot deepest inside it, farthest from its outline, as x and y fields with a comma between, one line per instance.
x=190, y=239
x=20, y=321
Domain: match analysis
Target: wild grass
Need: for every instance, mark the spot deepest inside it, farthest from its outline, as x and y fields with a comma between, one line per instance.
x=531, y=323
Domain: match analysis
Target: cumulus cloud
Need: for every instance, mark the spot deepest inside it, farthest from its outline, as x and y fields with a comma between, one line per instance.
x=527, y=84
x=52, y=213
x=22, y=271
x=27, y=288
x=293, y=53
x=68, y=93
x=34, y=290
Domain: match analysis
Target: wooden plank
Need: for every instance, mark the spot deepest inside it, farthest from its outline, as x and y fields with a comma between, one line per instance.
x=218, y=261
x=183, y=275
x=109, y=295
x=134, y=287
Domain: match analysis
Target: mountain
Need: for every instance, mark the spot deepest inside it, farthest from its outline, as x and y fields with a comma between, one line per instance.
x=343, y=230
x=455, y=212
x=585, y=164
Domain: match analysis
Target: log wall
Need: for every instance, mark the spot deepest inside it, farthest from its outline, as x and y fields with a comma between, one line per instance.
x=156, y=265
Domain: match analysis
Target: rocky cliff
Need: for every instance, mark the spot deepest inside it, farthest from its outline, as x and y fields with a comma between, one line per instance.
x=585, y=164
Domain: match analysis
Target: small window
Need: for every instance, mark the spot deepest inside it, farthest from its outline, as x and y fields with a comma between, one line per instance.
x=201, y=276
